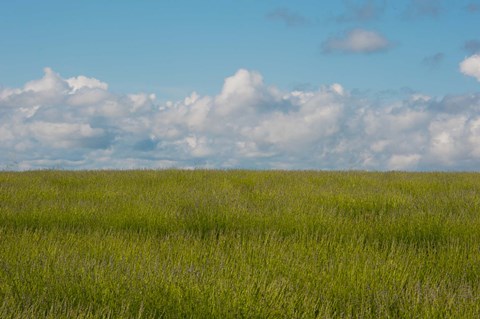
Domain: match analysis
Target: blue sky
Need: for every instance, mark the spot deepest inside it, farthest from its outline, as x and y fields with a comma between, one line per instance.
x=179, y=46
x=286, y=61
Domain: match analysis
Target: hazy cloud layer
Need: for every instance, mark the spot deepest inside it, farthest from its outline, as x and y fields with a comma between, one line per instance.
x=356, y=41
x=77, y=123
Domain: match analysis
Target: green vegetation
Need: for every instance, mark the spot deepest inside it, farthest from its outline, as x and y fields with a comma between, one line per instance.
x=232, y=244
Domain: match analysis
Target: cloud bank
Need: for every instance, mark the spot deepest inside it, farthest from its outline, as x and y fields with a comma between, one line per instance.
x=77, y=123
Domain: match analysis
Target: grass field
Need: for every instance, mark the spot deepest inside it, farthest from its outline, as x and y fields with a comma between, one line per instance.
x=233, y=244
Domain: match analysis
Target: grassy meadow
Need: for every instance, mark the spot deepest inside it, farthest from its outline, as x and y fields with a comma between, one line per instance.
x=239, y=244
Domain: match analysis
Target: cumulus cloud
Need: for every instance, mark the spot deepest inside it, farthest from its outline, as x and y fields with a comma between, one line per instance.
x=79, y=82
x=290, y=18
x=78, y=124
x=356, y=41
x=471, y=66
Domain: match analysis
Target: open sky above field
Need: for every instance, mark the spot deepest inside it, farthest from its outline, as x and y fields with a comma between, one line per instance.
x=371, y=84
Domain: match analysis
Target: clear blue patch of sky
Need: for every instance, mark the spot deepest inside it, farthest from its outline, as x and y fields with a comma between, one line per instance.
x=173, y=47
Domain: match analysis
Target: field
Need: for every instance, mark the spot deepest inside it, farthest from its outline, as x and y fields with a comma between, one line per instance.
x=233, y=244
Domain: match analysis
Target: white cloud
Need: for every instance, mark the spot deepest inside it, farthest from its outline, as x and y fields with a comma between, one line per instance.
x=79, y=82
x=471, y=66
x=403, y=162
x=53, y=123
x=50, y=83
x=141, y=101
x=447, y=136
x=244, y=92
x=66, y=135
x=357, y=41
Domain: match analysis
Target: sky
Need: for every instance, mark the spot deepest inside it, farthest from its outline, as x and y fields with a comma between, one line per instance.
x=329, y=85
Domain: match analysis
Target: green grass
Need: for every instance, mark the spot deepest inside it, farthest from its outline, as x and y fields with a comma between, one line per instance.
x=233, y=244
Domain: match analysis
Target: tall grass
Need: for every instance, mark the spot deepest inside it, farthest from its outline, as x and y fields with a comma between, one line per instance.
x=232, y=244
